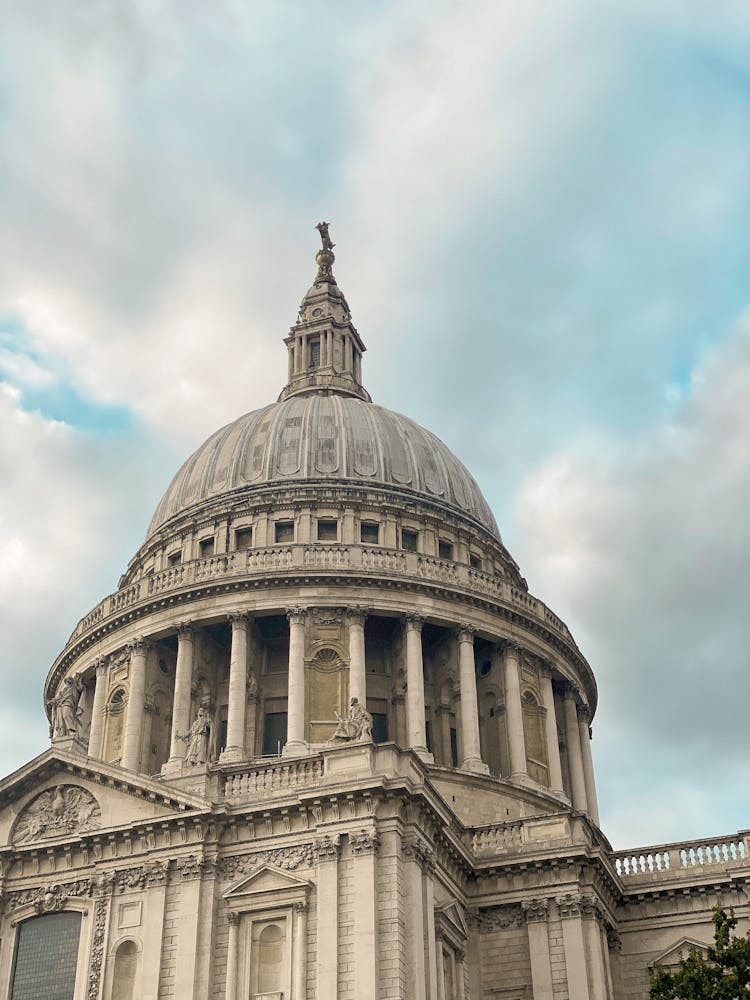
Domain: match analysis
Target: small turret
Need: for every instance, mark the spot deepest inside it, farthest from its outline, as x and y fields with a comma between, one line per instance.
x=325, y=350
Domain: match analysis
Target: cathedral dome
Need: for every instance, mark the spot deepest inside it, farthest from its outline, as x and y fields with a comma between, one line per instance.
x=324, y=436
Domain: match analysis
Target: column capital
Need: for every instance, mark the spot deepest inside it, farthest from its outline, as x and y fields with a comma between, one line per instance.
x=101, y=665
x=327, y=848
x=356, y=616
x=139, y=645
x=509, y=647
x=233, y=918
x=301, y=907
x=584, y=715
x=239, y=619
x=364, y=842
x=296, y=615
x=464, y=633
x=535, y=910
x=186, y=631
x=545, y=670
x=413, y=622
x=570, y=694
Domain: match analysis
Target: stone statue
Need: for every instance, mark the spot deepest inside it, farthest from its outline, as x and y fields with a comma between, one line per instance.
x=356, y=726
x=197, y=739
x=68, y=707
x=322, y=228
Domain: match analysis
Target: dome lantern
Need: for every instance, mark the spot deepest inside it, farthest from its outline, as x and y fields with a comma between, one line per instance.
x=325, y=350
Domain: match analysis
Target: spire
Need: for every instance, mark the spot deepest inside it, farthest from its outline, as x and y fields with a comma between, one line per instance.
x=325, y=350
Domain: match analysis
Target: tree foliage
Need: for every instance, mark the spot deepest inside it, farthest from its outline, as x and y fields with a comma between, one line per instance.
x=722, y=974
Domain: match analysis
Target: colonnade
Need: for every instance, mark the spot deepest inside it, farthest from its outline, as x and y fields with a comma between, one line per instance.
x=505, y=654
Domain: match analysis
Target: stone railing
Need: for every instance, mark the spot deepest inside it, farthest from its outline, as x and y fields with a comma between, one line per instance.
x=324, y=557
x=669, y=860
x=276, y=776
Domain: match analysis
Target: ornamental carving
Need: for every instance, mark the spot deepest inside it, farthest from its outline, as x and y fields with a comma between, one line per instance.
x=49, y=898
x=417, y=850
x=535, y=910
x=287, y=858
x=57, y=812
x=97, y=949
x=495, y=918
x=327, y=848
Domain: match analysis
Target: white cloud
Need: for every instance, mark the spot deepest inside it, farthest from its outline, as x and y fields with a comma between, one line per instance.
x=642, y=544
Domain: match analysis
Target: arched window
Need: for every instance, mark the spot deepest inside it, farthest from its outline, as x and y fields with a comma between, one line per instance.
x=269, y=948
x=123, y=978
x=46, y=957
x=115, y=726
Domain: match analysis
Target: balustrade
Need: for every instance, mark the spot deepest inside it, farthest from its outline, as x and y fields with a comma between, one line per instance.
x=276, y=776
x=324, y=557
x=674, y=858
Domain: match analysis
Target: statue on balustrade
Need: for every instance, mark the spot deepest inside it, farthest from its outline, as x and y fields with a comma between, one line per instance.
x=197, y=738
x=356, y=726
x=68, y=708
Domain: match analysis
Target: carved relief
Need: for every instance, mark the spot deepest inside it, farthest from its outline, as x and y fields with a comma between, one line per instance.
x=57, y=812
x=97, y=949
x=288, y=858
x=364, y=842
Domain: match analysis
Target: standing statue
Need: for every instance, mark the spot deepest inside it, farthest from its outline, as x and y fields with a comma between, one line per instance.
x=197, y=739
x=356, y=726
x=68, y=707
x=322, y=228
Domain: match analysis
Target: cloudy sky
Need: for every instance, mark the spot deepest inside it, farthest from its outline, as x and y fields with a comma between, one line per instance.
x=541, y=213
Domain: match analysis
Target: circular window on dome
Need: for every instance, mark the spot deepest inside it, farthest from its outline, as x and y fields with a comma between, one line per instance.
x=317, y=312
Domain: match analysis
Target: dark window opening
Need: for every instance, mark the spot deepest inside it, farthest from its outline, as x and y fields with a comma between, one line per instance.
x=408, y=540
x=284, y=531
x=475, y=562
x=174, y=558
x=274, y=733
x=379, y=727
x=206, y=547
x=428, y=734
x=315, y=353
x=369, y=533
x=454, y=747
x=328, y=531
x=243, y=538
x=485, y=668
x=445, y=549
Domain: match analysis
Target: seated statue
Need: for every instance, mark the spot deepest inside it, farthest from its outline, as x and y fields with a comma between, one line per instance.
x=356, y=726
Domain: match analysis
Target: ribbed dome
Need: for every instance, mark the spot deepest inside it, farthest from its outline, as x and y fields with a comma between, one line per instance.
x=329, y=437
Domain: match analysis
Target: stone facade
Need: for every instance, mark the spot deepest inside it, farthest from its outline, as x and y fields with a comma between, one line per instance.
x=323, y=743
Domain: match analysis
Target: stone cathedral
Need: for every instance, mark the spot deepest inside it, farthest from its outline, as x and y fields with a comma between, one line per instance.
x=323, y=744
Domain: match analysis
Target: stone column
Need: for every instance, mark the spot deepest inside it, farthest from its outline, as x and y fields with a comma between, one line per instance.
x=592, y=936
x=417, y=738
x=514, y=713
x=536, y=914
x=550, y=722
x=299, y=986
x=357, y=678
x=97, y=711
x=131, y=748
x=414, y=885
x=233, y=951
x=183, y=680
x=237, y=708
x=327, y=851
x=295, y=741
x=575, y=949
x=575, y=758
x=471, y=749
x=460, y=975
x=588, y=764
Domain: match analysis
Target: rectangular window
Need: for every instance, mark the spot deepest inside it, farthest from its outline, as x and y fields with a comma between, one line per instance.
x=284, y=531
x=378, y=709
x=408, y=540
x=46, y=957
x=206, y=547
x=314, y=352
x=243, y=539
x=328, y=531
x=475, y=561
x=445, y=549
x=274, y=733
x=369, y=533
x=174, y=558
x=454, y=747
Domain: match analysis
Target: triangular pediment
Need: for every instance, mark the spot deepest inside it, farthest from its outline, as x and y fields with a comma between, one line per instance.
x=60, y=795
x=676, y=953
x=264, y=881
x=451, y=913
